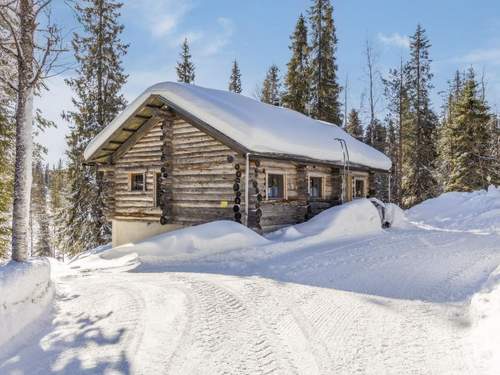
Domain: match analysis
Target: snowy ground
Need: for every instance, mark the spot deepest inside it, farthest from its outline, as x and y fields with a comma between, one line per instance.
x=308, y=300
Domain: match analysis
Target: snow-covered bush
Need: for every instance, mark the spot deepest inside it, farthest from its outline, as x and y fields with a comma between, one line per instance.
x=26, y=293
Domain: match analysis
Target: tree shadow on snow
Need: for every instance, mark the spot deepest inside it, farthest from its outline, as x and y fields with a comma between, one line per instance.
x=63, y=347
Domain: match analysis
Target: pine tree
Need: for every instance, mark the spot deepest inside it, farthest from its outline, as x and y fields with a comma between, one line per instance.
x=58, y=206
x=446, y=151
x=392, y=151
x=325, y=90
x=495, y=149
x=296, y=94
x=185, y=67
x=419, y=148
x=376, y=136
x=354, y=126
x=235, y=79
x=396, y=94
x=271, y=88
x=472, y=162
x=40, y=213
x=97, y=100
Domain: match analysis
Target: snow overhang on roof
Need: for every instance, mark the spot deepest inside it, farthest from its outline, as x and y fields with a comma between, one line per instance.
x=248, y=124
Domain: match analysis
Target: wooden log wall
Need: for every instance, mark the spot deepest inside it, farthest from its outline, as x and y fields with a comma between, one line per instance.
x=198, y=179
x=166, y=177
x=108, y=179
x=143, y=157
x=205, y=177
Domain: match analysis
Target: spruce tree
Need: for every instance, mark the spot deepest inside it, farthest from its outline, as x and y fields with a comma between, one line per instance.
x=472, y=162
x=296, y=94
x=40, y=213
x=419, y=148
x=395, y=92
x=392, y=150
x=325, y=90
x=446, y=150
x=58, y=193
x=97, y=100
x=235, y=79
x=271, y=88
x=354, y=126
x=185, y=67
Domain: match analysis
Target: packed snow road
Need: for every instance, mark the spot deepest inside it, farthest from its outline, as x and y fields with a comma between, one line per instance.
x=185, y=323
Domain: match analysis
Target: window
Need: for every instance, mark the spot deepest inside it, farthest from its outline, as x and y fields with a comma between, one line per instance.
x=275, y=186
x=137, y=182
x=358, y=188
x=316, y=187
x=157, y=189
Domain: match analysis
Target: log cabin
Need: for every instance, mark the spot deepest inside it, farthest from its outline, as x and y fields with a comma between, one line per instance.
x=182, y=155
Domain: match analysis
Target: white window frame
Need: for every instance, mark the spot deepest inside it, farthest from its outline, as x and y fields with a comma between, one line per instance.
x=130, y=174
x=323, y=182
x=285, y=185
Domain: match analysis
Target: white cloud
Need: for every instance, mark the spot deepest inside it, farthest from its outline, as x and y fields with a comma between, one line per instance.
x=491, y=55
x=394, y=39
x=220, y=39
x=161, y=17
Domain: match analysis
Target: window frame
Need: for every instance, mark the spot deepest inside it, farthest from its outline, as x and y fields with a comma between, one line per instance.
x=130, y=182
x=322, y=188
x=364, y=179
x=285, y=185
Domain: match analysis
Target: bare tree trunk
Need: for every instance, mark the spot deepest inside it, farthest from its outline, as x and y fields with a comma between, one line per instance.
x=24, y=136
x=400, y=140
x=370, y=62
x=346, y=88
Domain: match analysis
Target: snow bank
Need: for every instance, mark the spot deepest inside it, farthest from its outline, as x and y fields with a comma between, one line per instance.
x=26, y=293
x=260, y=127
x=485, y=312
x=193, y=242
x=359, y=217
x=476, y=212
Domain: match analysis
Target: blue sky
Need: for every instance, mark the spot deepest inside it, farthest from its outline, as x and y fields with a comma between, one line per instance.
x=256, y=33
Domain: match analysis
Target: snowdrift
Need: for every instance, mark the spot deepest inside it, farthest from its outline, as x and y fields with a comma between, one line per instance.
x=476, y=212
x=485, y=313
x=26, y=293
x=193, y=242
x=359, y=217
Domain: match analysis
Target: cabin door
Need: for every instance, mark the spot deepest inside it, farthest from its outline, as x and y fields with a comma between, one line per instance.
x=358, y=188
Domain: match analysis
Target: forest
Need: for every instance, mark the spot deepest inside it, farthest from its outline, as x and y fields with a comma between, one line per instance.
x=435, y=147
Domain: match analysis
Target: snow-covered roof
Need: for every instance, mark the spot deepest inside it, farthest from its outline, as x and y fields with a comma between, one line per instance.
x=258, y=127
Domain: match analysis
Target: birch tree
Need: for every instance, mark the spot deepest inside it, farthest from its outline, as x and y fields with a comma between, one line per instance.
x=35, y=50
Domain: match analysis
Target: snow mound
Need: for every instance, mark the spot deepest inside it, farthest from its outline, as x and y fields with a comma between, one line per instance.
x=26, y=292
x=395, y=216
x=359, y=217
x=192, y=242
x=475, y=212
x=485, y=311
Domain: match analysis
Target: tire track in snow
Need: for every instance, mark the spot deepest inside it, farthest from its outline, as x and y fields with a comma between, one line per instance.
x=226, y=333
